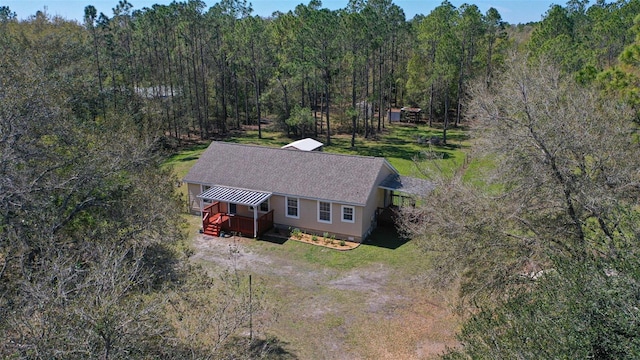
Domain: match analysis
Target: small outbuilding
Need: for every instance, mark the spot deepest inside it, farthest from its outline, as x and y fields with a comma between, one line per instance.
x=411, y=114
x=394, y=115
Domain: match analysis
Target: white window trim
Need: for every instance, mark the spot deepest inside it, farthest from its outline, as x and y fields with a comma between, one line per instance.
x=286, y=207
x=353, y=214
x=330, y=212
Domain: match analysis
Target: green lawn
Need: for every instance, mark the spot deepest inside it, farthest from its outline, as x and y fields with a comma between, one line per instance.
x=397, y=143
x=383, y=246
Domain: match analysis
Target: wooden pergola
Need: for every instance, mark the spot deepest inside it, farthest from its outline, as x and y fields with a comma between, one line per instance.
x=214, y=220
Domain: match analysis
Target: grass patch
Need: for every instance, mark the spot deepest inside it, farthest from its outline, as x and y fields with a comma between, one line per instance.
x=399, y=145
x=383, y=246
x=269, y=138
x=333, y=322
x=182, y=161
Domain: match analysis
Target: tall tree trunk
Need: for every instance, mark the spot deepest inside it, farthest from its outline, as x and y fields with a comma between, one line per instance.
x=460, y=86
x=393, y=93
x=182, y=86
x=354, y=114
x=160, y=89
x=366, y=102
x=257, y=82
x=380, y=87
x=431, y=96
x=222, y=123
x=373, y=92
x=315, y=102
x=236, y=106
x=491, y=43
x=114, y=87
x=197, y=91
x=246, y=103
x=446, y=117
x=222, y=73
x=170, y=76
x=328, y=101
x=205, y=88
x=101, y=95
x=285, y=96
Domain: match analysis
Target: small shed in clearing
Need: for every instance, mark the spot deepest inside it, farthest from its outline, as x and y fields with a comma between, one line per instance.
x=411, y=114
x=307, y=144
x=394, y=115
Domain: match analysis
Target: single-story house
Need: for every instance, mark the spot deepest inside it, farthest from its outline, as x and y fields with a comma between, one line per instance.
x=307, y=144
x=250, y=189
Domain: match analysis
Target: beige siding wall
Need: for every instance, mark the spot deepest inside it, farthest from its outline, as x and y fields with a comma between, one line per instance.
x=194, y=203
x=244, y=210
x=376, y=200
x=308, y=219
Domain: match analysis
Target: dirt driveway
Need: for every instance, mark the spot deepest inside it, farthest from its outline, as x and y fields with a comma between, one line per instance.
x=373, y=311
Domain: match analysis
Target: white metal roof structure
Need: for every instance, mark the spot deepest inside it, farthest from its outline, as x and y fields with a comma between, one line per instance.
x=307, y=144
x=235, y=195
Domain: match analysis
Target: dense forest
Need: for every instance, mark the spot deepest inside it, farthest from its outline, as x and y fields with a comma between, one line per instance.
x=544, y=248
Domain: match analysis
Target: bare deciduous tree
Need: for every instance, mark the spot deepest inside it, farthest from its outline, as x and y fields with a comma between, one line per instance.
x=564, y=164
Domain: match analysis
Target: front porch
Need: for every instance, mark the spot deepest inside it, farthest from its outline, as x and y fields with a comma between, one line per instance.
x=215, y=221
x=400, y=191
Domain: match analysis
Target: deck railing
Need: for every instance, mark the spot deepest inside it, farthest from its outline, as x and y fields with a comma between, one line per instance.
x=237, y=223
x=265, y=222
x=207, y=213
x=244, y=224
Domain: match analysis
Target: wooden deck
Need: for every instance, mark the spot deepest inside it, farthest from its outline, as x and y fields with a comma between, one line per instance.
x=214, y=222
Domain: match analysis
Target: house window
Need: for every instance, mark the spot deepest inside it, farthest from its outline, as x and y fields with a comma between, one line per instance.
x=233, y=208
x=293, y=208
x=324, y=212
x=264, y=206
x=348, y=214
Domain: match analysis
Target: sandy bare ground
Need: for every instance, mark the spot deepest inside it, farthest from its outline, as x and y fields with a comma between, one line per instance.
x=368, y=312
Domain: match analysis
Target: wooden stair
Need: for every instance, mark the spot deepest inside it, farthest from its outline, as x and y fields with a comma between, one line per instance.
x=213, y=227
x=212, y=230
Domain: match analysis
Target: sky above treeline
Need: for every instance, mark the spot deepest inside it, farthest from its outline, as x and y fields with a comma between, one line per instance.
x=512, y=11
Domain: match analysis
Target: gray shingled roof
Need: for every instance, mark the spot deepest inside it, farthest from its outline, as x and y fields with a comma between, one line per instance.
x=308, y=174
x=407, y=185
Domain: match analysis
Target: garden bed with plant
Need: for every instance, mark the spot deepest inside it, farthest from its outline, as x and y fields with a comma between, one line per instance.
x=325, y=240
